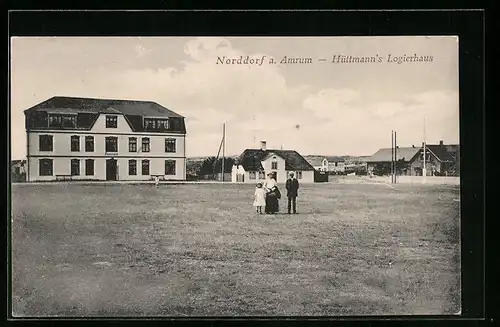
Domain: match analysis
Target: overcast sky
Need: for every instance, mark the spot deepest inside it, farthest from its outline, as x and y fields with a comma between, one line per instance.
x=320, y=108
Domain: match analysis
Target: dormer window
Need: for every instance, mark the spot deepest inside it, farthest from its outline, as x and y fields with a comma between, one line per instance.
x=156, y=124
x=111, y=121
x=59, y=120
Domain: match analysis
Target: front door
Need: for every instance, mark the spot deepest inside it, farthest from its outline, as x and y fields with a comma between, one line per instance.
x=111, y=170
x=275, y=175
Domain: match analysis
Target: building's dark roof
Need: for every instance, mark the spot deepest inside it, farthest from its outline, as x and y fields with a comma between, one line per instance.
x=251, y=159
x=408, y=153
x=440, y=152
x=62, y=104
x=385, y=155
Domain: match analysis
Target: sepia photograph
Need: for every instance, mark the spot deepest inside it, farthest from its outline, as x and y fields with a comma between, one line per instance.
x=235, y=176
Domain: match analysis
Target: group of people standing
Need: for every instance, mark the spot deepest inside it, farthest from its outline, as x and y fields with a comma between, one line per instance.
x=267, y=195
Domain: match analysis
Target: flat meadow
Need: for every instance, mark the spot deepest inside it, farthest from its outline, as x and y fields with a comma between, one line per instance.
x=201, y=250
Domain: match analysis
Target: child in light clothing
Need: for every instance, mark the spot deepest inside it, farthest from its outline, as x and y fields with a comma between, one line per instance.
x=259, y=198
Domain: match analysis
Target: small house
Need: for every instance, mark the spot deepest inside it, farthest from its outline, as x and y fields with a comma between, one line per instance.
x=328, y=163
x=439, y=160
x=253, y=165
x=380, y=162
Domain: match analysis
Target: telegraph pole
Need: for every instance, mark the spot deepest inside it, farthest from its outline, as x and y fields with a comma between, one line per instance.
x=395, y=158
x=424, y=168
x=223, y=148
x=392, y=156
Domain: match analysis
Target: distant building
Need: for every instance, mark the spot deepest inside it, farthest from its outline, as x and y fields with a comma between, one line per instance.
x=328, y=164
x=253, y=165
x=317, y=163
x=380, y=161
x=336, y=164
x=18, y=170
x=97, y=139
x=440, y=160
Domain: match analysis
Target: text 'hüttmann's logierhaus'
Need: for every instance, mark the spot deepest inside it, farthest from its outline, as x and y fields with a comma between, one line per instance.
x=335, y=59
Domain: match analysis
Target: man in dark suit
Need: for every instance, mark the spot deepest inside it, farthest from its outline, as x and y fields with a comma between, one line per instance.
x=292, y=188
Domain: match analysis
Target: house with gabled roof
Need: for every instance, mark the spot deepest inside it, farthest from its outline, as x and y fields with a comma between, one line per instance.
x=253, y=165
x=70, y=138
x=328, y=163
x=440, y=159
x=381, y=160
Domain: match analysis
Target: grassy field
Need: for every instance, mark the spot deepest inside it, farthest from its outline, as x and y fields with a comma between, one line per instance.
x=201, y=250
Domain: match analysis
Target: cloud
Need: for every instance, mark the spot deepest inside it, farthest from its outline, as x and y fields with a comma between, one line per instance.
x=141, y=51
x=252, y=99
x=256, y=102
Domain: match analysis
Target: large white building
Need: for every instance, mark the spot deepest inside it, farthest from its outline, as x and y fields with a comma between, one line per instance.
x=99, y=139
x=253, y=165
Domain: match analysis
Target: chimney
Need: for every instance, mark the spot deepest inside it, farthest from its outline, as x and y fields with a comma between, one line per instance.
x=263, y=145
x=441, y=142
x=422, y=144
x=413, y=145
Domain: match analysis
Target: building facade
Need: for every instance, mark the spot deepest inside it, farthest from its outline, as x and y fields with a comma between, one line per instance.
x=98, y=139
x=440, y=159
x=380, y=162
x=328, y=164
x=334, y=164
x=253, y=165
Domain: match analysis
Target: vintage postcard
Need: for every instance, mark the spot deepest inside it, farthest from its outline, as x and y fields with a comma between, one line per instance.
x=238, y=176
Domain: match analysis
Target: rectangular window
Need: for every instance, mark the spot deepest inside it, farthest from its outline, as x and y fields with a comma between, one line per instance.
x=46, y=167
x=111, y=121
x=145, y=167
x=132, y=144
x=56, y=120
x=274, y=165
x=75, y=143
x=75, y=167
x=46, y=143
x=251, y=175
x=262, y=175
x=145, y=144
x=163, y=124
x=156, y=124
x=299, y=175
x=89, y=143
x=89, y=167
x=132, y=167
x=111, y=144
x=169, y=167
x=170, y=145
x=69, y=121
